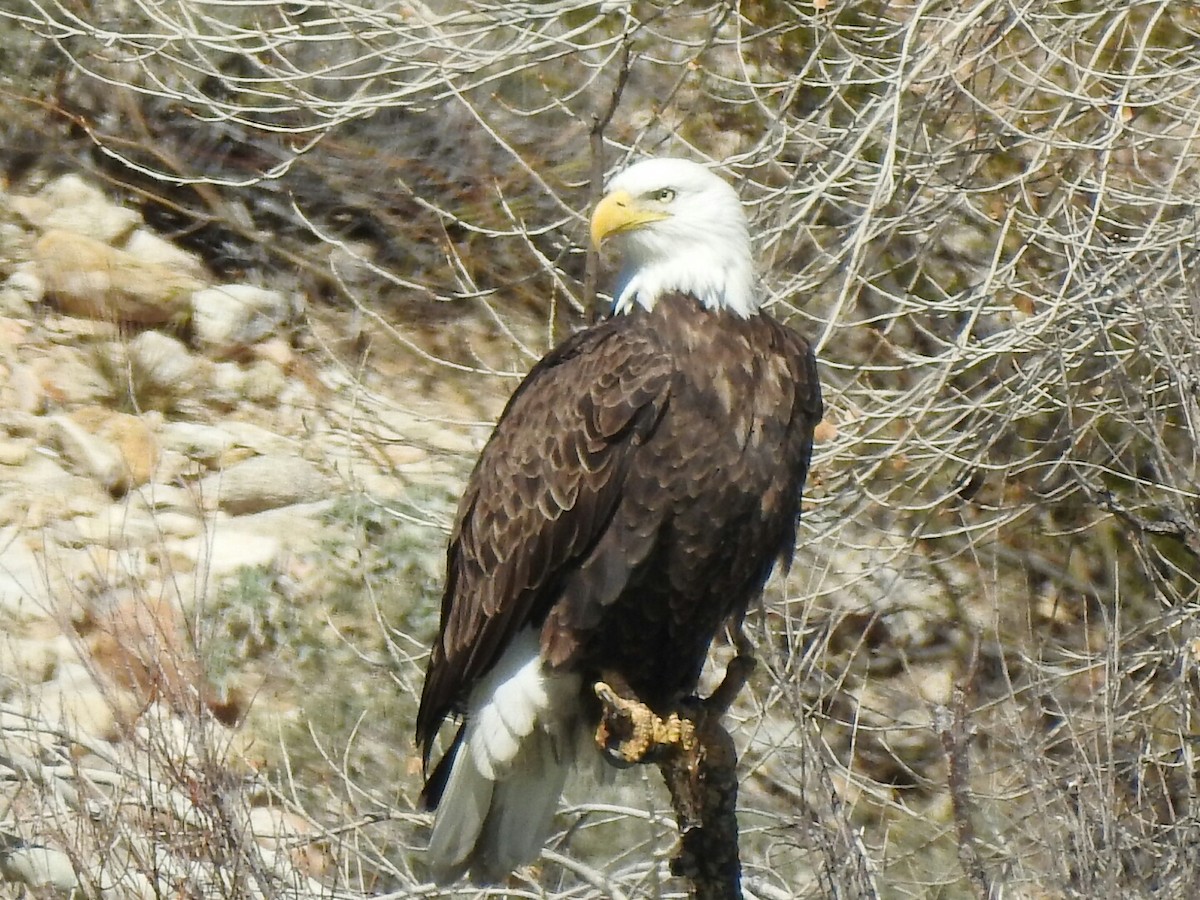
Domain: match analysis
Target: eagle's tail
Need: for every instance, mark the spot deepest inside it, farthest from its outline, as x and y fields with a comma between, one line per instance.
x=507, y=769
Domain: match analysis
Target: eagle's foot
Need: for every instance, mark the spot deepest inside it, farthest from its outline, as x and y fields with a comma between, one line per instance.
x=630, y=732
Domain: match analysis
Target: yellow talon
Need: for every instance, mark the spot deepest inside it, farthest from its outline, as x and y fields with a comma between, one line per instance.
x=630, y=732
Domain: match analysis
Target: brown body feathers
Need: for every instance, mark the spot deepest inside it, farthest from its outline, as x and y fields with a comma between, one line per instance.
x=636, y=492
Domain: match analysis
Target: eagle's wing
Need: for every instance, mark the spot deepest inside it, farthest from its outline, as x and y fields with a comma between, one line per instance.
x=808, y=408
x=542, y=494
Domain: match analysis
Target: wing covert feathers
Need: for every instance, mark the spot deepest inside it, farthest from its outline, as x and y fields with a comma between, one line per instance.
x=542, y=493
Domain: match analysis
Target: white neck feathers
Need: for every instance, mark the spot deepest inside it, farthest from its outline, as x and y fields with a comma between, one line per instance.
x=682, y=230
x=718, y=281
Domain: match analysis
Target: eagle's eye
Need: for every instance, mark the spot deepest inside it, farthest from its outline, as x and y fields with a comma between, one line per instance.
x=663, y=195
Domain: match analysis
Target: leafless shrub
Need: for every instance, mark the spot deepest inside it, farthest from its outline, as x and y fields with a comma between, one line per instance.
x=982, y=668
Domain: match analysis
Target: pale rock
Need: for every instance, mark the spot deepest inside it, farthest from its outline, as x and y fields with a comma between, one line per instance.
x=70, y=534
x=117, y=449
x=63, y=378
x=23, y=580
x=264, y=482
x=21, y=291
x=162, y=363
x=82, y=706
x=302, y=524
x=177, y=524
x=393, y=424
x=46, y=472
x=28, y=660
x=271, y=826
x=89, y=454
x=934, y=684
x=15, y=451
x=173, y=467
x=180, y=740
x=88, y=278
x=181, y=591
x=73, y=676
x=401, y=455
x=264, y=383
x=160, y=497
x=297, y=402
x=89, y=503
x=22, y=423
x=203, y=443
x=30, y=509
x=13, y=333
x=226, y=383
x=130, y=436
x=38, y=867
x=73, y=204
x=115, y=527
x=149, y=247
x=282, y=831
x=20, y=735
x=278, y=351
x=374, y=483
x=233, y=316
x=353, y=263
x=435, y=473
x=24, y=391
x=77, y=205
x=259, y=439
x=69, y=331
x=115, y=567
x=14, y=238
x=127, y=883
x=223, y=551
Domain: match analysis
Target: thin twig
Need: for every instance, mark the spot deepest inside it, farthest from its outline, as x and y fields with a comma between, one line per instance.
x=600, y=122
x=952, y=728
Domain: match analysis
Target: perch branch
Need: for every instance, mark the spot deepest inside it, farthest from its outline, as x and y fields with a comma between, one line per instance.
x=952, y=727
x=698, y=762
x=591, y=266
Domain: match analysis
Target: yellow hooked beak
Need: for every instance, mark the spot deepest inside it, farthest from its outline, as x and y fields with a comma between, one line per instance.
x=619, y=212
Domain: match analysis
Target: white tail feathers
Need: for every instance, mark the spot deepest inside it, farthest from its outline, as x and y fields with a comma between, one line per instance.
x=509, y=770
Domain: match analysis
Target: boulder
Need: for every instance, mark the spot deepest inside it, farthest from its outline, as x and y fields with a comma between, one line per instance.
x=23, y=288
x=233, y=316
x=117, y=449
x=87, y=278
x=161, y=363
x=75, y=205
x=205, y=444
x=223, y=551
x=264, y=482
x=37, y=867
x=150, y=248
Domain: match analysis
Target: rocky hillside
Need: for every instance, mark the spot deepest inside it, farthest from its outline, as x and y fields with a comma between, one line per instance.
x=192, y=507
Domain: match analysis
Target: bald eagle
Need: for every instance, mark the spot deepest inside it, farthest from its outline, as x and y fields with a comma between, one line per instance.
x=633, y=498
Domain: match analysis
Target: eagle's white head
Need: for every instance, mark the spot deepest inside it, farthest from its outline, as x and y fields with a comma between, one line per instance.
x=679, y=227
